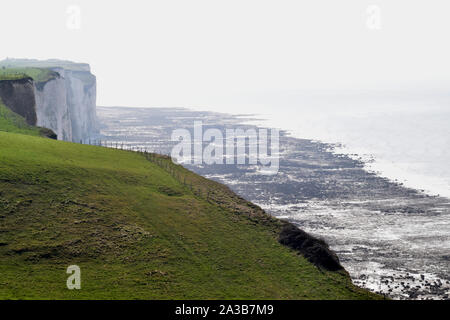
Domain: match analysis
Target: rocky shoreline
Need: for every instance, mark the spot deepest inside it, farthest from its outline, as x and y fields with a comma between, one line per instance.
x=391, y=239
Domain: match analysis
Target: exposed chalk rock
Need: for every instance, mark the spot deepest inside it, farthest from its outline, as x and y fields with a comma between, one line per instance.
x=64, y=103
x=67, y=105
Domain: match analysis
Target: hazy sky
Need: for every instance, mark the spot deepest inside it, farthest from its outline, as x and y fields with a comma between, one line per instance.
x=185, y=53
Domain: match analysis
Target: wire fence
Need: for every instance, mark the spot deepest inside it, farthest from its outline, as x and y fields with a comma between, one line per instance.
x=164, y=161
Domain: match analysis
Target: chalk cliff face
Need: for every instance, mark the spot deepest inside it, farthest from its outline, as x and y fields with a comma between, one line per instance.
x=51, y=108
x=64, y=103
x=67, y=104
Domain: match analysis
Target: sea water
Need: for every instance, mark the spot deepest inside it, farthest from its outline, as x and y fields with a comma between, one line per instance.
x=404, y=136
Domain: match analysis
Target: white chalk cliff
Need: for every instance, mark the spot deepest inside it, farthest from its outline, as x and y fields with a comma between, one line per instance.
x=64, y=101
x=67, y=105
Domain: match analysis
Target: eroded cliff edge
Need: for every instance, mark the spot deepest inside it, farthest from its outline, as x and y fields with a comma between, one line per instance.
x=54, y=94
x=18, y=95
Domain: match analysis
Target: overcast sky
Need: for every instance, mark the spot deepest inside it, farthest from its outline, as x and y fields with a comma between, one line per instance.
x=189, y=52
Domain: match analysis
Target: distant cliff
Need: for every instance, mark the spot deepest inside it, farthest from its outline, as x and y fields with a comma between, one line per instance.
x=58, y=95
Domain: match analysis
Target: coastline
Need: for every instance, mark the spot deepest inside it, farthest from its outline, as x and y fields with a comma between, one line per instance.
x=407, y=161
x=390, y=238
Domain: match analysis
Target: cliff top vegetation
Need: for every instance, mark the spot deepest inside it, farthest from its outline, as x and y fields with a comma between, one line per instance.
x=17, y=73
x=44, y=64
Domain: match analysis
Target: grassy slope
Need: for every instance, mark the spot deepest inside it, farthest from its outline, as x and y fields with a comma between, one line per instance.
x=12, y=122
x=137, y=232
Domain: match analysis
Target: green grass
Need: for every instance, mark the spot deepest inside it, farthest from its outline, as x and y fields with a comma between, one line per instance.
x=17, y=73
x=137, y=231
x=12, y=122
